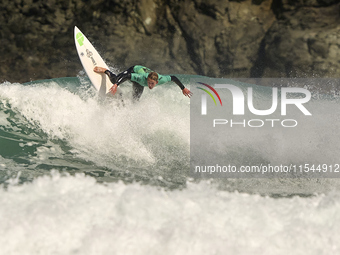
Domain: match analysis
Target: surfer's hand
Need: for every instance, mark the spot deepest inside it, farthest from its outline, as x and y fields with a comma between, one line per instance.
x=113, y=89
x=186, y=92
x=99, y=69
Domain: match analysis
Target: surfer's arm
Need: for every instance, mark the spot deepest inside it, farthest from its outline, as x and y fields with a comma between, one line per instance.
x=177, y=81
x=185, y=91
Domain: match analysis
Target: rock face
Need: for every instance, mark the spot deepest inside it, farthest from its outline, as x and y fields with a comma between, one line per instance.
x=218, y=38
x=304, y=41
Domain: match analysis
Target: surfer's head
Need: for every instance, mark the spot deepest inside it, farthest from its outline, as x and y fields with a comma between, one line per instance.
x=152, y=80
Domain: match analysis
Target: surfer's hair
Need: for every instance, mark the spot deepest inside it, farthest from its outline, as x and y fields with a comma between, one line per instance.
x=153, y=76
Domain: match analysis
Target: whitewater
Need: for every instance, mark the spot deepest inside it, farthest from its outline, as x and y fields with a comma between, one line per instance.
x=83, y=175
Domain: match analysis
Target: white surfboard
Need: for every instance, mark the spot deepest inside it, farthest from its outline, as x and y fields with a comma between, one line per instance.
x=90, y=58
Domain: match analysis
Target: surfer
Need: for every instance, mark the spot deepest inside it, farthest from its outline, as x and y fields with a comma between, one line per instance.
x=140, y=77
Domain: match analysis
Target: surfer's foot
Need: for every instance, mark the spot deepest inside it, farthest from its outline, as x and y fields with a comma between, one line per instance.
x=99, y=69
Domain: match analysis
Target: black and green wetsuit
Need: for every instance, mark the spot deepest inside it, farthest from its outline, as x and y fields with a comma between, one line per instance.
x=138, y=76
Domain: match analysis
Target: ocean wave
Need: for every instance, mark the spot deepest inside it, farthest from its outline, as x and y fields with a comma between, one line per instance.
x=77, y=215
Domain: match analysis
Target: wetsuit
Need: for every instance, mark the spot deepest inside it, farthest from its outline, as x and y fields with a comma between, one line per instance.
x=138, y=76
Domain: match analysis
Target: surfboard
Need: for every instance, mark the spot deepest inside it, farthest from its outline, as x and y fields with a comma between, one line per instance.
x=90, y=58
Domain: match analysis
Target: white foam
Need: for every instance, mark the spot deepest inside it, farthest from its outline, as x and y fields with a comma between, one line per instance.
x=76, y=215
x=101, y=133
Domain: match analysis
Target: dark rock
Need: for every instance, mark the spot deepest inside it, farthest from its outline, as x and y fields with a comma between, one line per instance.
x=305, y=42
x=248, y=38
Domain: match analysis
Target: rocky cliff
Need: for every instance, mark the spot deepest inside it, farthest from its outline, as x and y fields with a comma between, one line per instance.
x=218, y=38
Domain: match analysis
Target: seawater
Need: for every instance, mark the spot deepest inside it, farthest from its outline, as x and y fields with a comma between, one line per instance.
x=82, y=175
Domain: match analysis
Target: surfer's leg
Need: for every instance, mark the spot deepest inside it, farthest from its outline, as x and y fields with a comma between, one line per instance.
x=137, y=91
x=112, y=76
x=123, y=76
x=120, y=78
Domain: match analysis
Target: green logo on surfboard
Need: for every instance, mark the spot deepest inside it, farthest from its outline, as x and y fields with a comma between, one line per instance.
x=80, y=39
